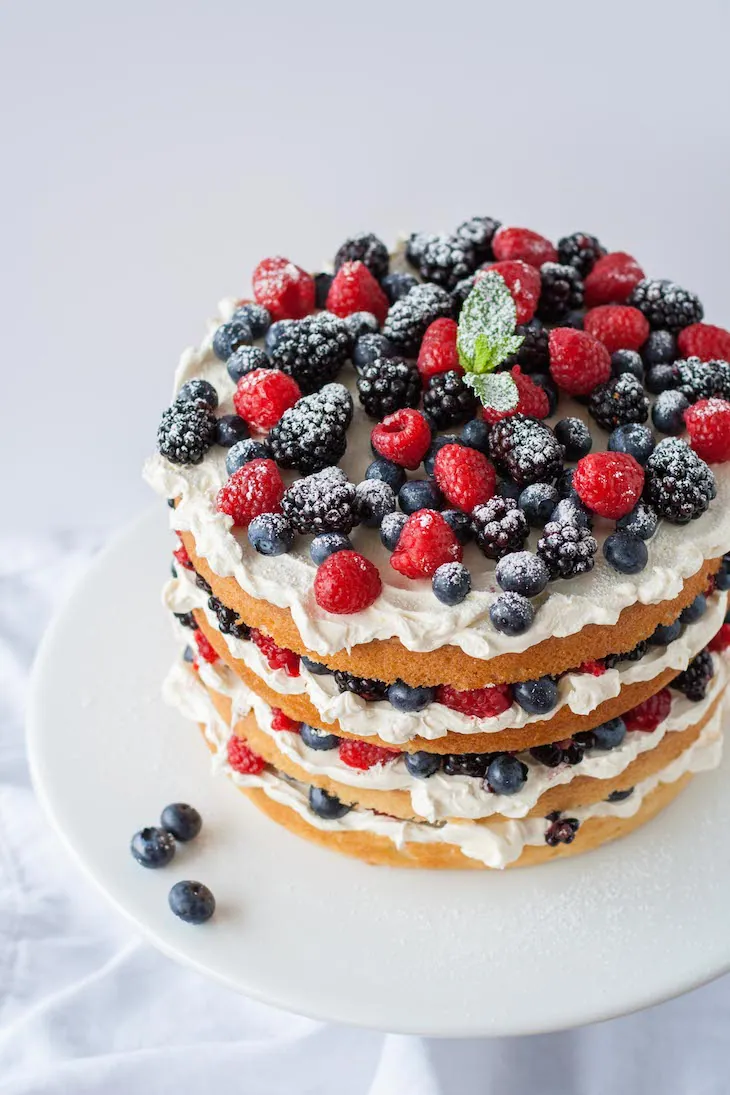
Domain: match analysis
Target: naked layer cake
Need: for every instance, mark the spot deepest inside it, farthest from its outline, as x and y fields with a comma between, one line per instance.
x=449, y=576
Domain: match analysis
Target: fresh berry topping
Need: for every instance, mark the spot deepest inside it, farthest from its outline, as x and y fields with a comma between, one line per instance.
x=255, y=488
x=618, y=402
x=581, y=251
x=575, y=437
x=525, y=450
x=229, y=429
x=153, y=847
x=271, y=534
x=479, y=233
x=261, y=397
x=363, y=755
x=505, y=774
x=612, y=279
x=405, y=697
x=452, y=581
x=568, y=549
x=229, y=337
x=326, y=544
x=255, y=315
x=522, y=572
x=361, y=323
x=534, y=353
x=667, y=414
x=627, y=361
x=242, y=758
x=325, y=805
x=448, y=400
x=642, y=521
x=617, y=326
x=536, y=697
x=205, y=649
x=649, y=714
x=561, y=830
x=183, y=821
x=523, y=243
x=694, y=680
x=665, y=304
x=578, y=362
x=634, y=439
x=523, y=282
x=465, y=476
x=388, y=384
x=385, y=471
x=660, y=348
x=500, y=527
x=198, y=391
x=244, y=451
x=511, y=613
x=438, y=443
x=354, y=289
x=322, y=282
x=422, y=765
x=278, y=657
x=475, y=434
x=369, y=348
x=323, y=502
x=708, y=425
x=561, y=291
x=312, y=434
x=705, y=341
x=374, y=500
x=609, y=483
x=480, y=703
x=366, y=248
x=245, y=360
x=703, y=379
x=438, y=352
x=679, y=485
x=317, y=739
x=625, y=552
x=537, y=501
x=411, y=316
x=442, y=259
x=460, y=522
x=186, y=432
x=391, y=529
x=282, y=723
x=533, y=400
x=396, y=285
x=312, y=350
x=420, y=494
x=365, y=687
x=425, y=543
x=720, y=641
x=181, y=554
x=403, y=437
x=285, y=289
x=346, y=582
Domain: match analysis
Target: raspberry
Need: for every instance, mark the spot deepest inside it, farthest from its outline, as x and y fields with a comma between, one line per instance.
x=284, y=289
x=523, y=282
x=253, y=489
x=206, y=651
x=617, y=326
x=278, y=657
x=609, y=483
x=361, y=754
x=465, y=476
x=720, y=641
x=403, y=437
x=523, y=243
x=261, y=397
x=596, y=669
x=438, y=352
x=533, y=400
x=708, y=425
x=346, y=582
x=354, y=289
x=242, y=758
x=182, y=557
x=481, y=703
x=705, y=341
x=280, y=721
x=426, y=542
x=647, y=715
x=578, y=362
x=612, y=279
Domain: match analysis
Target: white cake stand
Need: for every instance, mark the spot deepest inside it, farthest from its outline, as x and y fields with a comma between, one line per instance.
x=435, y=953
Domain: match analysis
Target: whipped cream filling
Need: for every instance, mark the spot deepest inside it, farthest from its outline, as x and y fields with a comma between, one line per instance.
x=581, y=692
x=494, y=845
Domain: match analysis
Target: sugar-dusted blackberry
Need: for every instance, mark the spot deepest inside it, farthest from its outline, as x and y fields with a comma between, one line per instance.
x=500, y=527
x=695, y=678
x=323, y=502
x=478, y=232
x=448, y=400
x=460, y=292
x=409, y=317
x=186, y=432
x=561, y=291
x=533, y=355
x=198, y=391
x=388, y=384
x=312, y=350
x=365, y=687
x=445, y=260
x=322, y=283
x=665, y=304
x=525, y=450
x=415, y=246
x=467, y=764
x=618, y=402
x=568, y=549
x=312, y=434
x=703, y=379
x=365, y=247
x=580, y=251
x=679, y=485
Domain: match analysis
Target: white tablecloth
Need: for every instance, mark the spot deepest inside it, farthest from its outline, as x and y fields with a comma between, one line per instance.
x=86, y=1006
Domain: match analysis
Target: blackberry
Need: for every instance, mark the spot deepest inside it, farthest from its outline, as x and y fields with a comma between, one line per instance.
x=634, y=655
x=619, y=402
x=408, y=318
x=228, y=623
x=550, y=755
x=365, y=687
x=703, y=379
x=415, y=246
x=202, y=584
x=467, y=764
x=561, y=291
x=533, y=355
x=312, y=434
x=312, y=350
x=500, y=527
x=460, y=292
x=186, y=432
x=323, y=502
x=525, y=450
x=388, y=384
x=448, y=400
x=186, y=619
x=580, y=251
x=695, y=678
x=568, y=549
x=367, y=248
x=679, y=485
x=322, y=283
x=445, y=260
x=665, y=304
x=478, y=232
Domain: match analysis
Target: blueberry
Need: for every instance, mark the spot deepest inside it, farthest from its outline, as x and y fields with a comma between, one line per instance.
x=664, y=634
x=317, y=668
x=361, y=323
x=633, y=439
x=153, y=847
x=391, y=529
x=660, y=348
x=575, y=436
x=574, y=319
x=192, y=902
x=643, y=521
x=325, y=805
x=256, y=316
x=387, y=472
x=322, y=284
x=667, y=414
x=429, y=459
x=661, y=378
x=197, y=389
x=609, y=734
x=229, y=429
x=229, y=337
x=537, y=501
x=189, y=654
x=475, y=434
x=511, y=613
x=397, y=285
x=571, y=511
x=627, y=361
x=695, y=610
x=369, y=348
x=374, y=499
x=420, y=494
x=722, y=579
x=536, y=697
x=522, y=572
x=327, y=544
x=507, y=488
x=318, y=739
x=625, y=552
x=620, y=796
x=422, y=765
x=406, y=698
x=548, y=385
x=460, y=523
x=271, y=534
x=451, y=583
x=565, y=483
x=274, y=333
x=243, y=451
x=506, y=774
x=183, y=821
x=245, y=360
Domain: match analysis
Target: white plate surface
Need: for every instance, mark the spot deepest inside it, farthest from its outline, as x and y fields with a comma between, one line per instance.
x=437, y=953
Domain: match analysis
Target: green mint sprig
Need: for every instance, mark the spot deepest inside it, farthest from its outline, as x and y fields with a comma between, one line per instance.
x=486, y=338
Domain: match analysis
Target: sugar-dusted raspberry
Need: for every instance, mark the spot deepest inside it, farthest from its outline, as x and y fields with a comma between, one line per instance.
x=708, y=426
x=287, y=291
x=705, y=341
x=596, y=669
x=465, y=476
x=262, y=396
x=205, y=648
x=609, y=483
x=721, y=640
x=647, y=715
x=282, y=722
x=403, y=437
x=346, y=582
x=361, y=754
x=523, y=243
x=523, y=282
x=578, y=362
x=617, y=326
x=612, y=279
x=426, y=542
x=181, y=555
x=481, y=703
x=438, y=352
x=354, y=289
x=255, y=488
x=242, y=758
x=278, y=657
x=533, y=400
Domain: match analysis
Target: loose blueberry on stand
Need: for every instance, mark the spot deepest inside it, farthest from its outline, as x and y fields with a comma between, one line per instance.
x=391, y=529
x=511, y=613
x=242, y=452
x=327, y=544
x=404, y=697
x=183, y=821
x=609, y=734
x=271, y=534
x=451, y=583
x=667, y=414
x=385, y=471
x=536, y=697
x=192, y=902
x=153, y=847
x=325, y=805
x=625, y=552
x=318, y=739
x=506, y=774
x=420, y=494
x=634, y=440
x=229, y=429
x=422, y=764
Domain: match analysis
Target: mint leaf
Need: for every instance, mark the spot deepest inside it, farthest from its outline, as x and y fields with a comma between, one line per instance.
x=487, y=326
x=497, y=390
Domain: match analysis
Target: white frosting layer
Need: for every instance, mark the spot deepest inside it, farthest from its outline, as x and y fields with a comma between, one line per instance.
x=495, y=845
